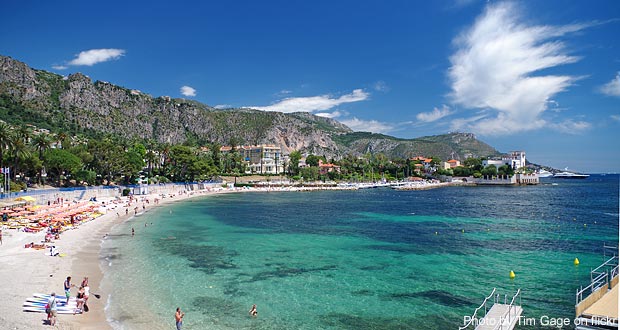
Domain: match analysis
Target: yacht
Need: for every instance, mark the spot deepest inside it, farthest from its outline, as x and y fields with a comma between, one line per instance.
x=542, y=173
x=570, y=175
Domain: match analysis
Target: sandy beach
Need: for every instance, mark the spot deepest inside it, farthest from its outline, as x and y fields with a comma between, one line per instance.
x=26, y=271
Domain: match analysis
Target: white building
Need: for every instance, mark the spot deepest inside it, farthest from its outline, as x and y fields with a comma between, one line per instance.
x=516, y=160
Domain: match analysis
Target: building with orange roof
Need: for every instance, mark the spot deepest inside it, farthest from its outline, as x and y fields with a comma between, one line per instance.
x=327, y=168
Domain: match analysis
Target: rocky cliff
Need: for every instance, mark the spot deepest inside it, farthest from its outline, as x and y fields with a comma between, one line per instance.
x=78, y=104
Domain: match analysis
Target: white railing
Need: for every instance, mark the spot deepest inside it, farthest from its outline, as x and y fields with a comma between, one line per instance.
x=511, y=313
x=473, y=317
x=599, y=276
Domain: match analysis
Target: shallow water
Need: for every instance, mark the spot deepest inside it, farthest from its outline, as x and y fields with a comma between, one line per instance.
x=368, y=259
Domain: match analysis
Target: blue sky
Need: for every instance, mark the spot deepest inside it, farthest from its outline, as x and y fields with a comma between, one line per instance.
x=539, y=76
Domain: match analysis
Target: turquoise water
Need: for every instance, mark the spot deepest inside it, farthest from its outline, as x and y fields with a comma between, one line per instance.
x=369, y=259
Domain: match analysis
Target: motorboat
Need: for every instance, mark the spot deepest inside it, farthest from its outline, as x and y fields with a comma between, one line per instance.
x=542, y=173
x=570, y=175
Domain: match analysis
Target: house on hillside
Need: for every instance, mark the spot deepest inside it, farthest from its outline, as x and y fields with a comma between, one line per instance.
x=452, y=163
x=325, y=168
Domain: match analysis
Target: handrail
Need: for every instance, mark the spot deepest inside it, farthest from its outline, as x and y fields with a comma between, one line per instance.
x=604, y=264
x=473, y=317
x=508, y=312
x=596, y=281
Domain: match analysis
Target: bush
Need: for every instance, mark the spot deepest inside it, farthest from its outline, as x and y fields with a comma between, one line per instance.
x=126, y=191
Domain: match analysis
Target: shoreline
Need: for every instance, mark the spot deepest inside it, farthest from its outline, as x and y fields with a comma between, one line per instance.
x=26, y=271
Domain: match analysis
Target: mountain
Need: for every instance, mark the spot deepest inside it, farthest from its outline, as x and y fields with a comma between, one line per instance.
x=76, y=104
x=447, y=146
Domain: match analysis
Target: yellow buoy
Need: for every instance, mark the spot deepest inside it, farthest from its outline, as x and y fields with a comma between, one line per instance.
x=462, y=230
x=512, y=275
x=585, y=225
x=435, y=233
x=576, y=262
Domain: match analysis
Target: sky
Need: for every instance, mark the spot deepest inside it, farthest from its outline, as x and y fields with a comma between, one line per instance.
x=538, y=76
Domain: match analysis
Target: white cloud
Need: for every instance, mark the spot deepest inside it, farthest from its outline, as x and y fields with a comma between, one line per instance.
x=334, y=114
x=283, y=93
x=373, y=126
x=94, y=56
x=615, y=117
x=59, y=67
x=612, y=88
x=313, y=103
x=571, y=127
x=188, y=91
x=494, y=65
x=223, y=106
x=381, y=86
x=434, y=115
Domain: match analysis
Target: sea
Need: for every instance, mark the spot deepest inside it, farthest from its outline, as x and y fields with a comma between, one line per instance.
x=365, y=259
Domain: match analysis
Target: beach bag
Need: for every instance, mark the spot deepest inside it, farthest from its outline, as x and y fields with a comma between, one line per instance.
x=86, y=308
x=48, y=309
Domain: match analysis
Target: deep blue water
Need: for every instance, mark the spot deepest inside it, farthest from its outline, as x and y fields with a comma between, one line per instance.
x=368, y=259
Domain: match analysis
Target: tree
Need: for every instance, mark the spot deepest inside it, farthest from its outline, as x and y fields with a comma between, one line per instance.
x=62, y=138
x=19, y=151
x=435, y=161
x=309, y=173
x=108, y=158
x=506, y=170
x=59, y=162
x=24, y=133
x=41, y=143
x=462, y=171
x=473, y=163
x=6, y=140
x=132, y=164
x=293, y=165
x=489, y=170
x=313, y=160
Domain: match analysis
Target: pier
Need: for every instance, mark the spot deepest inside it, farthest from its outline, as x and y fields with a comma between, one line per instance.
x=596, y=305
x=502, y=315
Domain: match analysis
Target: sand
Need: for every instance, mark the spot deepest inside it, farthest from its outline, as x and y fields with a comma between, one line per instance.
x=25, y=271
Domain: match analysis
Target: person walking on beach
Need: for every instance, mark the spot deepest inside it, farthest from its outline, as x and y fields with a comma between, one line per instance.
x=178, y=317
x=53, y=310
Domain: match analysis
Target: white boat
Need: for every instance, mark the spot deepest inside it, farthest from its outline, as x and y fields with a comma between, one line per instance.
x=570, y=175
x=542, y=173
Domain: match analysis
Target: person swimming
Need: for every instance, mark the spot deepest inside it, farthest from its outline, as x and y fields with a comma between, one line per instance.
x=253, y=311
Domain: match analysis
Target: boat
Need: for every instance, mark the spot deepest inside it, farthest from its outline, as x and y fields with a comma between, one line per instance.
x=542, y=173
x=570, y=175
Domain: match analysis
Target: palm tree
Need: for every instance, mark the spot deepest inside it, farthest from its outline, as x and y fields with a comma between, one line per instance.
x=24, y=133
x=6, y=140
x=19, y=151
x=41, y=143
x=61, y=138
